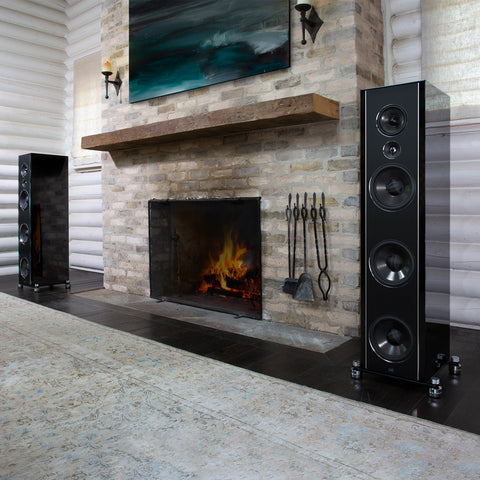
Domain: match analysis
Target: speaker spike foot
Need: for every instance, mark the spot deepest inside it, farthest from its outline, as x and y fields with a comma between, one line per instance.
x=435, y=389
x=355, y=370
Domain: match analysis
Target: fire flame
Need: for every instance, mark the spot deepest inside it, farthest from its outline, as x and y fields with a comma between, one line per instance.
x=229, y=265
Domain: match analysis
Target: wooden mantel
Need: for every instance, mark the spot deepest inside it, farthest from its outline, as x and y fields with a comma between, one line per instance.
x=298, y=110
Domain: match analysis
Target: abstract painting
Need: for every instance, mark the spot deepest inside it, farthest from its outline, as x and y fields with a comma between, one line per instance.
x=187, y=44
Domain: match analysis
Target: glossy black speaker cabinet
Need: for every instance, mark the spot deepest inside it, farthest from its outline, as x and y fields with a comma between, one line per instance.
x=42, y=220
x=405, y=320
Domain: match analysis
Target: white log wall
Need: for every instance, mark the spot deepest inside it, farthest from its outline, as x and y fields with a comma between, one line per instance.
x=84, y=98
x=41, y=40
x=32, y=94
x=437, y=40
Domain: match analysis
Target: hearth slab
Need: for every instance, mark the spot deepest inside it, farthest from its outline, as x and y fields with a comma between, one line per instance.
x=275, y=332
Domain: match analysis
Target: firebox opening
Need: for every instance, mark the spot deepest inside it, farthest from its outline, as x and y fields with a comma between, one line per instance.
x=207, y=253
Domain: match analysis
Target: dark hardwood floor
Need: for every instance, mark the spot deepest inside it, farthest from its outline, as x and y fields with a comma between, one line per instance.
x=329, y=372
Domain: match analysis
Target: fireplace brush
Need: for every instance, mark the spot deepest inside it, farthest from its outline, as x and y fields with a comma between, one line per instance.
x=304, y=290
x=290, y=284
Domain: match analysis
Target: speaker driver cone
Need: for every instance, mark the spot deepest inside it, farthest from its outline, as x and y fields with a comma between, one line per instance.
x=391, y=339
x=391, y=120
x=392, y=150
x=23, y=170
x=24, y=233
x=391, y=263
x=391, y=188
x=23, y=199
x=24, y=268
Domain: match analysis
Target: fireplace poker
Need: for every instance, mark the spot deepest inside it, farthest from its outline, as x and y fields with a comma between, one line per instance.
x=304, y=290
x=296, y=215
x=290, y=282
x=288, y=214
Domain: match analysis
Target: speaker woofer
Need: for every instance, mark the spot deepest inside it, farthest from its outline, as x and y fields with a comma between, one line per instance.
x=391, y=120
x=23, y=200
x=24, y=234
x=391, y=339
x=24, y=268
x=391, y=263
x=391, y=188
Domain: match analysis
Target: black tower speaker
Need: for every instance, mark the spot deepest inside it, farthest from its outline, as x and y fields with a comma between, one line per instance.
x=42, y=220
x=405, y=327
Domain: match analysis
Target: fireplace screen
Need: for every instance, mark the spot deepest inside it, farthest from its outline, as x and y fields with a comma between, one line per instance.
x=207, y=253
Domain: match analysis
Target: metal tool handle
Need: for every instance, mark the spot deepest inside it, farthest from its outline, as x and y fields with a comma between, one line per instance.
x=296, y=215
x=288, y=215
x=304, y=218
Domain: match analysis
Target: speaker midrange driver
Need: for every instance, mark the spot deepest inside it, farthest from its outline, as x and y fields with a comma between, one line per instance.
x=391, y=188
x=391, y=263
x=24, y=234
x=391, y=120
x=23, y=200
x=24, y=267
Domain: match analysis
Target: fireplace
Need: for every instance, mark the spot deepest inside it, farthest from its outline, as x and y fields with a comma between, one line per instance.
x=207, y=253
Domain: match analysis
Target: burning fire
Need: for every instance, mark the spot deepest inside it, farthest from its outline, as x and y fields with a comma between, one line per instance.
x=229, y=272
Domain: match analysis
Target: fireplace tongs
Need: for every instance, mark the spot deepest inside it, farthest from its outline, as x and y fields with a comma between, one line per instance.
x=324, y=282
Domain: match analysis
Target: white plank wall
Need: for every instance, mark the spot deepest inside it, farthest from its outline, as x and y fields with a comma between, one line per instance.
x=32, y=107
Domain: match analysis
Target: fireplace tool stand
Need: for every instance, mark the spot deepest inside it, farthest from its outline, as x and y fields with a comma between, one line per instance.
x=302, y=288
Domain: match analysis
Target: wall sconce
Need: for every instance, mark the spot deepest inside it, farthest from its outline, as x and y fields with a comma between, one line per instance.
x=311, y=24
x=107, y=71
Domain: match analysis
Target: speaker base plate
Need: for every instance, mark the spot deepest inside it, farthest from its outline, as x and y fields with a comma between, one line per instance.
x=434, y=386
x=37, y=286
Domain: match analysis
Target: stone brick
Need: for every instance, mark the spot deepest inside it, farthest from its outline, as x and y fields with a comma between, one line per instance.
x=288, y=83
x=349, y=151
x=351, y=254
x=351, y=202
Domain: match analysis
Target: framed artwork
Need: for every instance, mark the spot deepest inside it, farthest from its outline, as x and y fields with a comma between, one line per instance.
x=187, y=44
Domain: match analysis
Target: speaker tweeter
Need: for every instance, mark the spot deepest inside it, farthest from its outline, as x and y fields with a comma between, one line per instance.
x=392, y=150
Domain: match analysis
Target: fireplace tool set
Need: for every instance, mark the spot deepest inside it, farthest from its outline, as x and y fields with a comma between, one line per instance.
x=302, y=288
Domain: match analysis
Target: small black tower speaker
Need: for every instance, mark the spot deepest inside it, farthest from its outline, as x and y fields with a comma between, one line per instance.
x=405, y=327
x=43, y=220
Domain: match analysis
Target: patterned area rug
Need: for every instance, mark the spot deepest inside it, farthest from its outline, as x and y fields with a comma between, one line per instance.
x=83, y=401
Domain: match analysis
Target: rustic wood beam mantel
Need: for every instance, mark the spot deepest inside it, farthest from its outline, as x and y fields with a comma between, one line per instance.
x=283, y=112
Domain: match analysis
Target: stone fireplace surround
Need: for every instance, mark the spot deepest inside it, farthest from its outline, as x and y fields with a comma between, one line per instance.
x=268, y=161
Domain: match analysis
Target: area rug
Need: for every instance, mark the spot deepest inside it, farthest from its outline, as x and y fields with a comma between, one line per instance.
x=83, y=401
